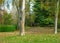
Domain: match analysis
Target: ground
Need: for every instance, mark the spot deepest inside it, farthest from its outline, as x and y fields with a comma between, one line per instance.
x=33, y=35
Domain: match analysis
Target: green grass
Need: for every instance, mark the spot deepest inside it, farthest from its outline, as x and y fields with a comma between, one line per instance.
x=32, y=38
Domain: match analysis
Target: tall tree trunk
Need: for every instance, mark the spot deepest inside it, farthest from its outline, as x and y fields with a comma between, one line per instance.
x=56, y=17
x=22, y=21
x=20, y=5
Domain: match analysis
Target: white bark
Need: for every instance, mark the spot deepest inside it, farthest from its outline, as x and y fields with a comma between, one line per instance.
x=23, y=18
x=21, y=15
x=56, y=17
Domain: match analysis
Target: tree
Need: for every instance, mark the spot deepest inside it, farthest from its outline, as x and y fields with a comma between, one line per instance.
x=1, y=2
x=56, y=16
x=29, y=16
x=42, y=13
x=23, y=18
x=20, y=5
x=7, y=19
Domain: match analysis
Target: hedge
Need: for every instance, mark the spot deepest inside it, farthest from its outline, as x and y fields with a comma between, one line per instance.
x=7, y=28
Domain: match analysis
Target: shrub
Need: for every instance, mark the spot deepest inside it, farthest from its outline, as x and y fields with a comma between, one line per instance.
x=7, y=28
x=7, y=19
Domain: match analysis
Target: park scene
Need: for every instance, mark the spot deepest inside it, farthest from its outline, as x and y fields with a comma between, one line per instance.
x=29, y=21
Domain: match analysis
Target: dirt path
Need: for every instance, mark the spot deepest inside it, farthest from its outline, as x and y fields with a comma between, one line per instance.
x=6, y=34
x=41, y=30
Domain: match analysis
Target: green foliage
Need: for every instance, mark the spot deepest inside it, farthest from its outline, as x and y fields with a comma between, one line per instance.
x=7, y=28
x=43, y=16
x=30, y=19
x=1, y=2
x=59, y=23
x=7, y=19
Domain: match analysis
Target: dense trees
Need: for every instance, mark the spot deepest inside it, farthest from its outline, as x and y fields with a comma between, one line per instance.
x=42, y=13
x=38, y=13
x=45, y=13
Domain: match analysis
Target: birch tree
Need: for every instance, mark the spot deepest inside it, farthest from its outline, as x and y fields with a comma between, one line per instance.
x=56, y=16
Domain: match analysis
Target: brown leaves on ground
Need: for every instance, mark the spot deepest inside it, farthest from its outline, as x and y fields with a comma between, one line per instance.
x=31, y=30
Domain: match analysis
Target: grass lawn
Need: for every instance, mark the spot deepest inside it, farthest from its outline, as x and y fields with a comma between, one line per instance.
x=33, y=35
x=32, y=38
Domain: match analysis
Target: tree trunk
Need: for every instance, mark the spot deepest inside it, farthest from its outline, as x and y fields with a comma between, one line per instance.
x=22, y=21
x=56, y=17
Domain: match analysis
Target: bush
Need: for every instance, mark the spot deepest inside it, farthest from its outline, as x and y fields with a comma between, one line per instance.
x=7, y=28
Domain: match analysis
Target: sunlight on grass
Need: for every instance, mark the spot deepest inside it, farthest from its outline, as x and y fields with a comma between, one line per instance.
x=32, y=38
